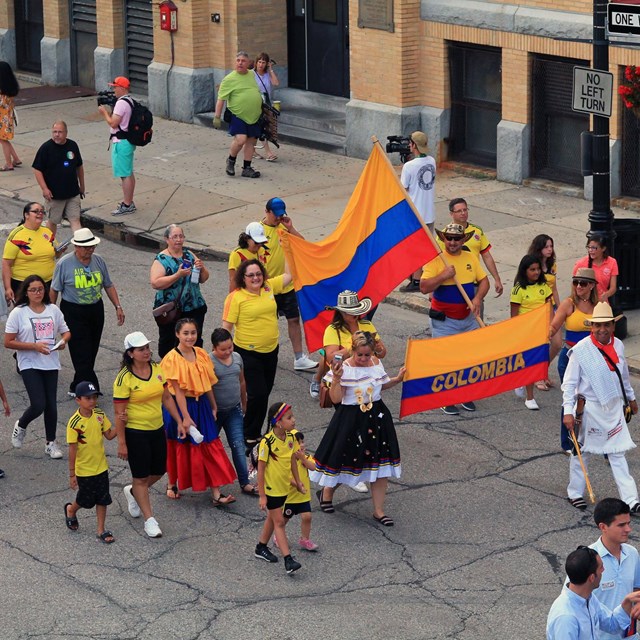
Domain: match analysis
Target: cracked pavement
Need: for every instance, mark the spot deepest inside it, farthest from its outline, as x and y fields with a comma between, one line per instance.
x=482, y=525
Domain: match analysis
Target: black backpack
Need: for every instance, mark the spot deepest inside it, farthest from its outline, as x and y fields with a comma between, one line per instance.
x=140, y=124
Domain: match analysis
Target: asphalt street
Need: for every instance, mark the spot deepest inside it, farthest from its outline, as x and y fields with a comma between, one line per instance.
x=482, y=524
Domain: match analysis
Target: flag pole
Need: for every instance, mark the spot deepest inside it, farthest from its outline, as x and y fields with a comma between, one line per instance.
x=466, y=298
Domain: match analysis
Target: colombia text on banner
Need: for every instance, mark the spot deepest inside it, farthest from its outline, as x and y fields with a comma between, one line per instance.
x=378, y=242
x=476, y=364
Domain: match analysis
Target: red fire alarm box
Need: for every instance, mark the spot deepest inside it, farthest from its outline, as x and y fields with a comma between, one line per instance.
x=168, y=16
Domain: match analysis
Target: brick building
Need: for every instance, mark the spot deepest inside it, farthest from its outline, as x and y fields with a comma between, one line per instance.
x=488, y=80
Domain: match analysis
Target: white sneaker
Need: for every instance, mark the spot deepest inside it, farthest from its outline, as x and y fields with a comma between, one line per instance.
x=151, y=528
x=520, y=392
x=17, y=436
x=361, y=487
x=132, y=505
x=53, y=450
x=531, y=404
x=195, y=434
x=304, y=363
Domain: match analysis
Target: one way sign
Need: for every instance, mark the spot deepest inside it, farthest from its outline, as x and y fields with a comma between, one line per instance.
x=624, y=18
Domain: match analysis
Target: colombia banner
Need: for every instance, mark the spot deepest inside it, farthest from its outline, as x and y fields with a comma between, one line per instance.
x=476, y=364
x=378, y=242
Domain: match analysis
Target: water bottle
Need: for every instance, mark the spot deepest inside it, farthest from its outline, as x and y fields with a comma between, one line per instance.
x=195, y=275
x=195, y=434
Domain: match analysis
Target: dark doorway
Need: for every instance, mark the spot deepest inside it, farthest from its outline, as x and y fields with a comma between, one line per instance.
x=630, y=158
x=476, y=103
x=84, y=40
x=29, y=33
x=318, y=46
x=556, y=126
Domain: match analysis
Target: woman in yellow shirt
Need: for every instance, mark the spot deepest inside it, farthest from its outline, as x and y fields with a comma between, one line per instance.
x=251, y=309
x=29, y=250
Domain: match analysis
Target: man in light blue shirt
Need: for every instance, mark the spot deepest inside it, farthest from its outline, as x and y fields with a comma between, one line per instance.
x=621, y=561
x=576, y=613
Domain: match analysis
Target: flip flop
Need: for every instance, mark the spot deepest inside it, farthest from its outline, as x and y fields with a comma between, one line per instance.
x=385, y=521
x=272, y=157
x=541, y=385
x=106, y=537
x=172, y=492
x=6, y=169
x=17, y=164
x=251, y=492
x=72, y=523
x=222, y=500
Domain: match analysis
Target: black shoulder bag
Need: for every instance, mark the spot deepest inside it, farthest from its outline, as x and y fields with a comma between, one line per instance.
x=628, y=414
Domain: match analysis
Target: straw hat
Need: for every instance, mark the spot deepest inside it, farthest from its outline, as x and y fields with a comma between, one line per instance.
x=602, y=312
x=454, y=229
x=585, y=273
x=349, y=303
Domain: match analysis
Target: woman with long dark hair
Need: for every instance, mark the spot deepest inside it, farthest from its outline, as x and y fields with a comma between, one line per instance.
x=32, y=329
x=9, y=89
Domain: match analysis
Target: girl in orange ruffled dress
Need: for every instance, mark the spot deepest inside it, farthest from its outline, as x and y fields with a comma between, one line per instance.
x=195, y=455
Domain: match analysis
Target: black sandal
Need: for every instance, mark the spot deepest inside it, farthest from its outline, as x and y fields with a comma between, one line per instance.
x=578, y=503
x=106, y=537
x=72, y=523
x=325, y=505
x=385, y=521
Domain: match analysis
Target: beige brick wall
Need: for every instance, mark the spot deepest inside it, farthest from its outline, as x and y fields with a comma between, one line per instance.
x=7, y=15
x=110, y=17
x=56, y=18
x=516, y=85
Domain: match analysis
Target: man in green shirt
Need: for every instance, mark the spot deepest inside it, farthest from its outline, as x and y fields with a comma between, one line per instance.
x=240, y=91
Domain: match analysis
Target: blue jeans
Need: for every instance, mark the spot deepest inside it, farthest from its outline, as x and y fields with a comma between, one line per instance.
x=232, y=422
x=565, y=439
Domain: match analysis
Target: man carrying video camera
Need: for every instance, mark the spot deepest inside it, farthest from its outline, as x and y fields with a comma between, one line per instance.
x=122, y=150
x=418, y=178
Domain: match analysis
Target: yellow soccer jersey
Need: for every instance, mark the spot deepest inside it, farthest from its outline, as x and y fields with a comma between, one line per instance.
x=275, y=253
x=530, y=297
x=277, y=454
x=87, y=434
x=295, y=497
x=144, y=410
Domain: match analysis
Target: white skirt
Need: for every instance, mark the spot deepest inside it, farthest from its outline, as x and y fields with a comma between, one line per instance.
x=604, y=429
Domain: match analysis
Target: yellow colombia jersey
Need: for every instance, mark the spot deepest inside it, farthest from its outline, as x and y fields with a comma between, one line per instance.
x=31, y=251
x=277, y=454
x=87, y=433
x=239, y=255
x=295, y=497
x=275, y=255
x=144, y=410
x=530, y=297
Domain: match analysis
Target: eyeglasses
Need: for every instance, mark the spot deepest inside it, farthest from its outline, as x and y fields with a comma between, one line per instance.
x=465, y=210
x=582, y=283
x=37, y=290
x=253, y=276
x=453, y=238
x=179, y=236
x=591, y=247
x=42, y=211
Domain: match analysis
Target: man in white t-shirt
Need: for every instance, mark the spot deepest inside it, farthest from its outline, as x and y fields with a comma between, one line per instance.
x=418, y=177
x=122, y=150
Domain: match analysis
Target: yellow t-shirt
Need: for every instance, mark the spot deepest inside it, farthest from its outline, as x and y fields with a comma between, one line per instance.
x=530, y=297
x=294, y=496
x=277, y=455
x=144, y=411
x=275, y=253
x=87, y=434
x=239, y=255
x=343, y=338
x=32, y=253
x=255, y=316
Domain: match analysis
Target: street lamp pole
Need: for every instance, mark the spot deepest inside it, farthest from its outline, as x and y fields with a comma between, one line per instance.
x=601, y=216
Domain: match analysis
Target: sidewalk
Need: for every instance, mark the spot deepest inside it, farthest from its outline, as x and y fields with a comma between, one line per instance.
x=181, y=179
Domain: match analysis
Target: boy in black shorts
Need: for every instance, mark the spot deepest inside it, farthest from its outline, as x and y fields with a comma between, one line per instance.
x=88, y=468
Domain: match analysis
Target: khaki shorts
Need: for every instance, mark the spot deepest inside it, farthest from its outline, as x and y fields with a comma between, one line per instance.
x=70, y=208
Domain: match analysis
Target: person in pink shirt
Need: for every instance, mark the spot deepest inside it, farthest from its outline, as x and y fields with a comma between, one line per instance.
x=605, y=267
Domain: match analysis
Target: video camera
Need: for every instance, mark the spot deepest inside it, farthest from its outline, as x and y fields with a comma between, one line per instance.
x=399, y=144
x=106, y=97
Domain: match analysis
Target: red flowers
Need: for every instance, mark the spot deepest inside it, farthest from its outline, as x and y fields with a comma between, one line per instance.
x=629, y=90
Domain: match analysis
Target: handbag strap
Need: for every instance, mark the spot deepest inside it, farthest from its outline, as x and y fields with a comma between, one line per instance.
x=264, y=86
x=607, y=357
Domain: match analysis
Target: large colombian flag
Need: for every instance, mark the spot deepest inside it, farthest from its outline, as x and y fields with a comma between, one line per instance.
x=378, y=242
x=476, y=364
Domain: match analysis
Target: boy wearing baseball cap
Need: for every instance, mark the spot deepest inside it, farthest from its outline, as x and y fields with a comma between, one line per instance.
x=88, y=468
